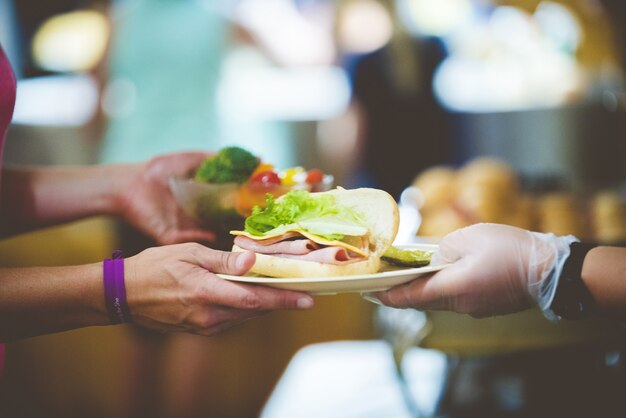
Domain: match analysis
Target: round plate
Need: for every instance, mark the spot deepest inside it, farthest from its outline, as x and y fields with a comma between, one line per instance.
x=386, y=278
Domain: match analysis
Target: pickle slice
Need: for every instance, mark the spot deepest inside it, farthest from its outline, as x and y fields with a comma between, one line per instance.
x=407, y=258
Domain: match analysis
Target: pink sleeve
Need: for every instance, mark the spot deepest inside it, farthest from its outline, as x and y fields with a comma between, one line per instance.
x=7, y=99
x=7, y=103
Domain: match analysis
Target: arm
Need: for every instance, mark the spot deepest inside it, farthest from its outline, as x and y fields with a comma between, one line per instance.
x=498, y=269
x=36, y=301
x=169, y=288
x=138, y=193
x=604, y=274
x=38, y=197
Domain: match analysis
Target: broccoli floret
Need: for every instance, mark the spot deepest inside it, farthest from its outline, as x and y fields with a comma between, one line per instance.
x=229, y=165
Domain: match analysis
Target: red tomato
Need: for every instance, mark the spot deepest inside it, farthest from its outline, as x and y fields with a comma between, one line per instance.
x=262, y=167
x=314, y=176
x=265, y=177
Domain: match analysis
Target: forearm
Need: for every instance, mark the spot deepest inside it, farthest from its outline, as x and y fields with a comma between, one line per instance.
x=42, y=300
x=37, y=197
x=604, y=273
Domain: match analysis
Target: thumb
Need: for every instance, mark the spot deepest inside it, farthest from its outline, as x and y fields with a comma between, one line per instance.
x=451, y=248
x=235, y=264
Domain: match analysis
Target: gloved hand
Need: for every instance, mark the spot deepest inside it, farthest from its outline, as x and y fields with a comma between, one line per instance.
x=495, y=269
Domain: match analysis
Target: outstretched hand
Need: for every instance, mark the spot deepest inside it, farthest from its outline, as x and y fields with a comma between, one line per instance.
x=147, y=203
x=174, y=288
x=495, y=269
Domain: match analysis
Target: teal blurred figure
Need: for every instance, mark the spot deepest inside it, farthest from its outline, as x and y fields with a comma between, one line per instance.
x=163, y=77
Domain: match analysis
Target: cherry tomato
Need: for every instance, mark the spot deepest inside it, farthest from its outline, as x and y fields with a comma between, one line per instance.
x=265, y=177
x=314, y=176
x=262, y=167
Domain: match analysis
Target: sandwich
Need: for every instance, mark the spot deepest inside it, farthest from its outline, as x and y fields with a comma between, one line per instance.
x=336, y=233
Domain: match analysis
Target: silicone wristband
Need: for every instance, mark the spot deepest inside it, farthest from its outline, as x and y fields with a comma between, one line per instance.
x=115, y=289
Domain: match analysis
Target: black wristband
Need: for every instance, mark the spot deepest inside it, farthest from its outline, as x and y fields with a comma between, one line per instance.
x=572, y=299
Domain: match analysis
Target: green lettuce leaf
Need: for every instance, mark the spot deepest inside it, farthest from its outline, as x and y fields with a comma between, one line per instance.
x=318, y=215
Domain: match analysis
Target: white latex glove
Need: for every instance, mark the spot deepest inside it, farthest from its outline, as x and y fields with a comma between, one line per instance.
x=495, y=269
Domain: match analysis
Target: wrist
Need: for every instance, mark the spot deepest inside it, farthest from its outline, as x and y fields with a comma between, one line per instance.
x=603, y=274
x=546, y=259
x=91, y=298
x=115, y=182
x=572, y=299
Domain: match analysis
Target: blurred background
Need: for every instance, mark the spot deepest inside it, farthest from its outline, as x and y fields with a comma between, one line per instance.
x=464, y=110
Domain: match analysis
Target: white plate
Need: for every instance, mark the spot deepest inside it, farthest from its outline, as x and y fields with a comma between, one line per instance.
x=388, y=277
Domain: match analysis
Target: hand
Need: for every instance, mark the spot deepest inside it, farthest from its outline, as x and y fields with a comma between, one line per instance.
x=147, y=203
x=173, y=288
x=496, y=269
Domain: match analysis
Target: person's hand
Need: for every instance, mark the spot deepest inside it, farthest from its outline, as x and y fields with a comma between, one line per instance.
x=146, y=202
x=174, y=288
x=496, y=269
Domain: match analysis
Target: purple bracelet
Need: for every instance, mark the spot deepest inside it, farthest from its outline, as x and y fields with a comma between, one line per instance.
x=115, y=290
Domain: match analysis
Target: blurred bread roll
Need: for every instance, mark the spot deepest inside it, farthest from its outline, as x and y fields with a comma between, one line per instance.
x=437, y=185
x=441, y=222
x=608, y=217
x=489, y=172
x=523, y=214
x=562, y=214
x=487, y=190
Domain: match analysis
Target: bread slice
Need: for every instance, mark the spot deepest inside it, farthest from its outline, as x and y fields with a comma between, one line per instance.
x=380, y=212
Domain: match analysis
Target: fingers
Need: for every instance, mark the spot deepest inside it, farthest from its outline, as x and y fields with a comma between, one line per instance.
x=213, y=319
x=453, y=246
x=216, y=320
x=434, y=293
x=236, y=264
x=409, y=295
x=189, y=161
x=188, y=235
x=251, y=297
x=223, y=292
x=178, y=163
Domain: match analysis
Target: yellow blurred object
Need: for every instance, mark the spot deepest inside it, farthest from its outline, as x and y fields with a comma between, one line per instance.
x=488, y=190
x=74, y=41
x=523, y=214
x=81, y=242
x=288, y=177
x=438, y=223
x=489, y=172
x=561, y=214
x=483, y=203
x=437, y=185
x=608, y=217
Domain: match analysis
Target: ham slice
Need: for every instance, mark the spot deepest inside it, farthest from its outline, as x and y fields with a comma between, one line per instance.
x=326, y=255
x=274, y=246
x=302, y=249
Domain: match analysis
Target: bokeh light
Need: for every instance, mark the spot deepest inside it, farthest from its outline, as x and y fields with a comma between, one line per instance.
x=74, y=41
x=364, y=26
